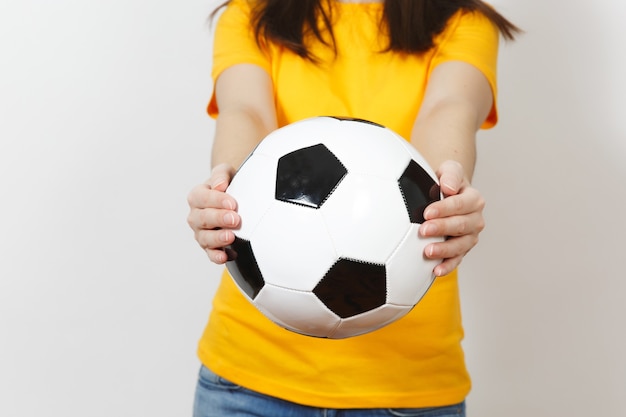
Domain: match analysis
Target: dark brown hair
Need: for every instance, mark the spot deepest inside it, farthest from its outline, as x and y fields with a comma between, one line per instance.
x=411, y=25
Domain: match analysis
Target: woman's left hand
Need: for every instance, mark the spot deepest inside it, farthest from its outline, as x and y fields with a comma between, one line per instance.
x=458, y=217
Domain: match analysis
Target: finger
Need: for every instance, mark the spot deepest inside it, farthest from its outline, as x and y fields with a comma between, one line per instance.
x=467, y=224
x=447, y=266
x=198, y=197
x=210, y=219
x=451, y=248
x=217, y=256
x=214, y=239
x=202, y=196
x=469, y=201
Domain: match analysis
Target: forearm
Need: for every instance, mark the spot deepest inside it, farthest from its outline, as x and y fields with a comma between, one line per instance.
x=457, y=102
x=447, y=131
x=245, y=99
x=237, y=132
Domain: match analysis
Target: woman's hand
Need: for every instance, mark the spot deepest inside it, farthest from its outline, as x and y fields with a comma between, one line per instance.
x=458, y=217
x=212, y=213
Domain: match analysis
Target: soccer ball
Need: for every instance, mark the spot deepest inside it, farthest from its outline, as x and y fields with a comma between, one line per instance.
x=328, y=244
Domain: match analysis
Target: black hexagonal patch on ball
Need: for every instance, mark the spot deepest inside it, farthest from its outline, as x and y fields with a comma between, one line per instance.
x=351, y=287
x=418, y=190
x=243, y=267
x=308, y=176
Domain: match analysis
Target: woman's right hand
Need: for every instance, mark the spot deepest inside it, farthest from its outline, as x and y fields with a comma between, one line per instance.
x=212, y=213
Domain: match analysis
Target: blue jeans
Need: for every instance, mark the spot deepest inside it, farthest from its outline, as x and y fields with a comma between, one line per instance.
x=218, y=397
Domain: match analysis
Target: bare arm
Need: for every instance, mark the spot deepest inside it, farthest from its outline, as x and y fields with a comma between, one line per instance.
x=457, y=101
x=245, y=100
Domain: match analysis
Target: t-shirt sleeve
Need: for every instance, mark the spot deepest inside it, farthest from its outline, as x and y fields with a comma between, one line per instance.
x=471, y=37
x=234, y=43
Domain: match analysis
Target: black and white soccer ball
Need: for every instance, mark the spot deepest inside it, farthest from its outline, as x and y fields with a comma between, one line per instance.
x=328, y=245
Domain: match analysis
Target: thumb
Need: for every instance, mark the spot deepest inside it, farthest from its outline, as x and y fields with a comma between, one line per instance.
x=220, y=177
x=451, y=177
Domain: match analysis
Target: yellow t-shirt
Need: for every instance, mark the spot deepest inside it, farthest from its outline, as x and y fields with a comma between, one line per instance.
x=416, y=361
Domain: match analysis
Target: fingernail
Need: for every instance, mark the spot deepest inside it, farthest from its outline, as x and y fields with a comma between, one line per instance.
x=225, y=236
x=448, y=186
x=227, y=204
x=229, y=219
x=217, y=182
x=427, y=230
x=220, y=257
x=431, y=213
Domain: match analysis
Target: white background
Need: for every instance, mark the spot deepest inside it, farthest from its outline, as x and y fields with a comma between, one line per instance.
x=104, y=293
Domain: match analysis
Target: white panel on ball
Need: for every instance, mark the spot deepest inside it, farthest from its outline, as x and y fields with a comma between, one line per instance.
x=366, y=218
x=253, y=198
x=292, y=246
x=387, y=158
x=410, y=273
x=301, y=312
x=366, y=322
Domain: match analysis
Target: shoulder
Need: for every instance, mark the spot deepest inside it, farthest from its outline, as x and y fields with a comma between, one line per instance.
x=236, y=9
x=469, y=32
x=468, y=22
